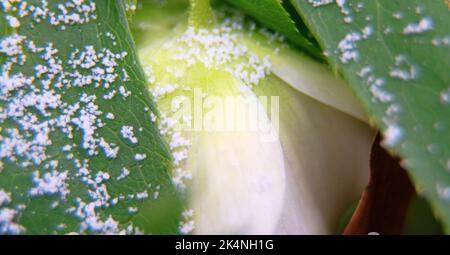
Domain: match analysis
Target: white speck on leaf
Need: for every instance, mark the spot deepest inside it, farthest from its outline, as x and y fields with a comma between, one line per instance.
x=424, y=25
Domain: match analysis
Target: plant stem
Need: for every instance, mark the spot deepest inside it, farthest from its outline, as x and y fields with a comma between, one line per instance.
x=200, y=14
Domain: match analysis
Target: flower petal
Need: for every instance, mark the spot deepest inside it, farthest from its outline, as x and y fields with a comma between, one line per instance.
x=327, y=155
x=307, y=76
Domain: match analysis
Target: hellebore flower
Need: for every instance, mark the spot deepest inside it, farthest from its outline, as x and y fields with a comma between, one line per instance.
x=264, y=139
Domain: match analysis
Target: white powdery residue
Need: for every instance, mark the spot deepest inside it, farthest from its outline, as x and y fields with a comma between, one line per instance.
x=443, y=191
x=86, y=121
x=13, y=21
x=11, y=45
x=110, y=116
x=110, y=150
x=110, y=95
x=359, y=6
x=86, y=59
x=253, y=75
x=125, y=76
x=393, y=110
x=344, y=10
x=140, y=156
x=180, y=176
x=365, y=71
x=33, y=102
x=367, y=32
x=187, y=213
x=441, y=40
x=445, y=96
x=52, y=165
x=12, y=83
x=149, y=74
x=54, y=204
x=142, y=195
x=15, y=145
x=110, y=35
x=155, y=195
x=397, y=15
x=388, y=30
x=130, y=7
x=380, y=94
x=52, y=183
x=178, y=156
x=101, y=177
x=74, y=12
x=111, y=227
x=403, y=69
x=97, y=190
x=187, y=225
x=134, y=230
x=61, y=226
x=128, y=133
x=132, y=209
x=348, y=47
x=177, y=141
x=102, y=65
x=125, y=93
x=424, y=25
x=177, y=103
x=7, y=5
x=7, y=226
x=392, y=135
x=92, y=222
x=160, y=91
x=99, y=195
x=125, y=172
x=378, y=91
x=5, y=197
x=114, y=201
x=166, y=124
x=317, y=3
x=220, y=47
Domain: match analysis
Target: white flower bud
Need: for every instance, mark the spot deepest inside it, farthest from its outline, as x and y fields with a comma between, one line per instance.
x=264, y=139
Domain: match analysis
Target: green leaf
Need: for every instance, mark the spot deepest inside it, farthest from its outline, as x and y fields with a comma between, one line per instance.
x=70, y=90
x=395, y=55
x=272, y=14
